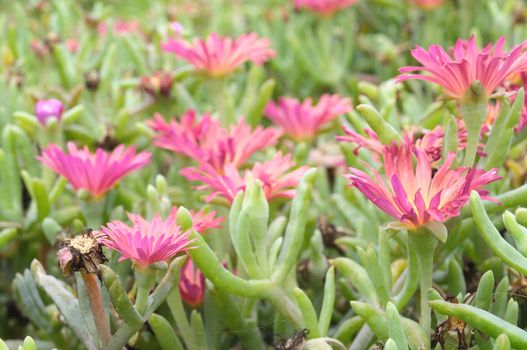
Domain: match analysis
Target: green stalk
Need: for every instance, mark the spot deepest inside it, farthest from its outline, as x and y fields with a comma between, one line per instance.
x=178, y=313
x=473, y=111
x=423, y=243
x=145, y=279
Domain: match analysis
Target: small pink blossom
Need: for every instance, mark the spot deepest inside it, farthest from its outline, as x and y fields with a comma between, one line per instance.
x=146, y=242
x=303, y=120
x=95, y=172
x=192, y=284
x=46, y=109
x=72, y=45
x=177, y=28
x=203, y=221
x=120, y=27
x=276, y=176
x=325, y=8
x=415, y=195
x=427, y=4
x=490, y=66
x=205, y=140
x=218, y=56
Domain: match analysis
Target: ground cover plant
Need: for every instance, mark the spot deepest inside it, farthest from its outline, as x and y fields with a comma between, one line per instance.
x=271, y=174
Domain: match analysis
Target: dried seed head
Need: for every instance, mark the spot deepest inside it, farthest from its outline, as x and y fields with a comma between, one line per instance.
x=157, y=84
x=92, y=80
x=82, y=252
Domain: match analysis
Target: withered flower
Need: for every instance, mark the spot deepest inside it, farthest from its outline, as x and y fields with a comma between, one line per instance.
x=157, y=84
x=92, y=80
x=81, y=253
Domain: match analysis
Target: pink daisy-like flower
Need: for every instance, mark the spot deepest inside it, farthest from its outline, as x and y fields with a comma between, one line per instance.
x=325, y=8
x=192, y=284
x=302, y=120
x=427, y=4
x=203, y=221
x=218, y=56
x=95, y=172
x=414, y=195
x=205, y=140
x=489, y=66
x=146, y=242
x=274, y=175
x=46, y=109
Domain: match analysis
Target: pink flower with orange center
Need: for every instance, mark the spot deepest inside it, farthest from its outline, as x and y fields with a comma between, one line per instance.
x=276, y=176
x=217, y=56
x=415, y=195
x=95, y=172
x=205, y=140
x=490, y=66
x=146, y=242
x=427, y=4
x=192, y=285
x=325, y=8
x=303, y=120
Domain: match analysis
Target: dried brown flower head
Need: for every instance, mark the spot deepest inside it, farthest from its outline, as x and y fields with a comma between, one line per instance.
x=82, y=252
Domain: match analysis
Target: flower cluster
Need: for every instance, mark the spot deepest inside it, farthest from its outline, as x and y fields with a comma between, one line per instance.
x=206, y=141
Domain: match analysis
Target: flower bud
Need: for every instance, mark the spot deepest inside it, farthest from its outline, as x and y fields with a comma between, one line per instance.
x=45, y=109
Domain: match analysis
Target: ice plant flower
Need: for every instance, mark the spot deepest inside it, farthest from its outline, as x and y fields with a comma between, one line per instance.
x=46, y=109
x=415, y=195
x=303, y=120
x=427, y=4
x=95, y=172
x=192, y=284
x=205, y=140
x=203, y=221
x=275, y=175
x=325, y=8
x=490, y=66
x=146, y=242
x=218, y=56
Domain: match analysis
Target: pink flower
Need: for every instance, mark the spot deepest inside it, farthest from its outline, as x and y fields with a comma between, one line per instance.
x=45, y=109
x=95, y=172
x=325, y=8
x=146, y=242
x=414, y=195
x=302, y=120
x=217, y=56
x=192, y=284
x=489, y=66
x=427, y=4
x=203, y=221
x=227, y=182
x=205, y=140
x=72, y=45
x=177, y=28
x=120, y=27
